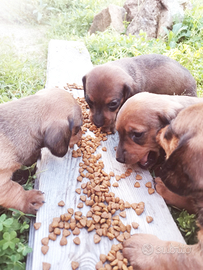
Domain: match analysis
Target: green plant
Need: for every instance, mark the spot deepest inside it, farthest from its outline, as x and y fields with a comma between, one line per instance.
x=186, y=224
x=13, y=240
x=173, y=37
x=18, y=76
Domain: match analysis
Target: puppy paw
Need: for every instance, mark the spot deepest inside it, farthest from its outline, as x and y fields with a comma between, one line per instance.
x=139, y=250
x=34, y=200
x=167, y=195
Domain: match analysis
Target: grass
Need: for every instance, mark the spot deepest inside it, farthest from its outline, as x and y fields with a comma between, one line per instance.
x=23, y=74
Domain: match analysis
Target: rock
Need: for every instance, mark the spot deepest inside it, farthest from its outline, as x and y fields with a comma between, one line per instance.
x=112, y=16
x=172, y=11
x=145, y=17
x=151, y=16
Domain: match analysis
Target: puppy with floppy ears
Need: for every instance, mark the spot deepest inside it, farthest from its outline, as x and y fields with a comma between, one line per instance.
x=138, y=122
x=108, y=86
x=182, y=171
x=51, y=118
x=182, y=174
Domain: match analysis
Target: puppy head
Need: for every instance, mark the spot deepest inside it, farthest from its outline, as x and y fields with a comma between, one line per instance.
x=182, y=170
x=138, y=122
x=106, y=88
x=63, y=126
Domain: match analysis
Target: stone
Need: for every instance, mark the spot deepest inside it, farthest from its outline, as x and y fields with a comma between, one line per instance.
x=112, y=16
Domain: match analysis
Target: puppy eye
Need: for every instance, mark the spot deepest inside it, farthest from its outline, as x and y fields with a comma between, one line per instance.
x=136, y=135
x=113, y=105
x=89, y=102
x=77, y=129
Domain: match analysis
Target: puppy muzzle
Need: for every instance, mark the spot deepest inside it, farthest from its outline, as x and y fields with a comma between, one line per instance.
x=98, y=120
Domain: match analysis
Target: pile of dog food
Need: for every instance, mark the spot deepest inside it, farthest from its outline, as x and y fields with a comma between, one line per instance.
x=95, y=193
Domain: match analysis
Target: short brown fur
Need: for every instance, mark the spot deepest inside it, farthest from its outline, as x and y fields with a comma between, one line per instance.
x=108, y=86
x=145, y=114
x=182, y=174
x=51, y=118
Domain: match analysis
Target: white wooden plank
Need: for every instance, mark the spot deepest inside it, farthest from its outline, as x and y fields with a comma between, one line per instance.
x=57, y=178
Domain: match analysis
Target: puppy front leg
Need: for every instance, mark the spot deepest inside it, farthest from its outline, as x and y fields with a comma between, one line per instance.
x=171, y=198
x=12, y=195
x=148, y=252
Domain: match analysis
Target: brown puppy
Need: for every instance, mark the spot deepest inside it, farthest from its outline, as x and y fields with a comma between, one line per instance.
x=182, y=141
x=181, y=173
x=51, y=118
x=138, y=122
x=109, y=85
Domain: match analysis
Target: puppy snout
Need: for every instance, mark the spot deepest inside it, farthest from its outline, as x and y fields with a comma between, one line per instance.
x=120, y=159
x=98, y=120
x=120, y=155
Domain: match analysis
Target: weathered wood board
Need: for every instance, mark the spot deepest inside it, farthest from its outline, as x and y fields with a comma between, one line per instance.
x=67, y=63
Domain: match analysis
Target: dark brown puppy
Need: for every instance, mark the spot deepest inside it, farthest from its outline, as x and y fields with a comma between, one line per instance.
x=51, y=118
x=138, y=122
x=182, y=141
x=182, y=174
x=109, y=85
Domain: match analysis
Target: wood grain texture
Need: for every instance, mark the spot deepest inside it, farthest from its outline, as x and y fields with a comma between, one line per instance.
x=57, y=178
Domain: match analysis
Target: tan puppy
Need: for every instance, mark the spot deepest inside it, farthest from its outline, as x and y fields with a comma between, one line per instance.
x=51, y=118
x=138, y=122
x=109, y=85
x=182, y=174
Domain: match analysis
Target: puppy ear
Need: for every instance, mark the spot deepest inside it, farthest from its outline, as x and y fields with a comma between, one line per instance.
x=84, y=84
x=177, y=170
x=127, y=92
x=163, y=120
x=57, y=137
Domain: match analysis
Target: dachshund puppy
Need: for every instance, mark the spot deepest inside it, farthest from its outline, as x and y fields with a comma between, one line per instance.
x=51, y=118
x=182, y=174
x=138, y=122
x=109, y=85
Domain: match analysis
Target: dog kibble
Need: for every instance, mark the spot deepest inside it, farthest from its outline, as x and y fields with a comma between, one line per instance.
x=61, y=203
x=138, y=177
x=135, y=225
x=151, y=191
x=137, y=185
x=148, y=184
x=66, y=232
x=76, y=231
x=123, y=214
x=102, y=258
x=74, y=265
x=44, y=249
x=52, y=236
x=63, y=241
x=46, y=266
x=149, y=219
x=78, y=190
x=76, y=240
x=37, y=225
x=97, y=238
x=45, y=241
x=104, y=149
x=80, y=205
x=99, y=265
x=57, y=231
x=115, y=184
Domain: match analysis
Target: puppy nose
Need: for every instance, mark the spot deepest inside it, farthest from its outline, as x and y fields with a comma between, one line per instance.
x=121, y=159
x=98, y=120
